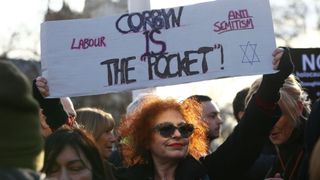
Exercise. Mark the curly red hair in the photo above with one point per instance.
(136, 129)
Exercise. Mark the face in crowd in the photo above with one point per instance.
(71, 165)
(284, 127)
(100, 124)
(211, 115)
(294, 105)
(105, 143)
(170, 136)
(165, 129)
(72, 154)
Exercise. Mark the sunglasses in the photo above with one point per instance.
(166, 130)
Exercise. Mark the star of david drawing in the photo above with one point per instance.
(249, 53)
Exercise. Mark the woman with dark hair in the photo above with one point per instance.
(73, 154)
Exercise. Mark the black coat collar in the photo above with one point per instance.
(188, 169)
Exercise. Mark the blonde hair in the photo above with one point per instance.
(292, 96)
(315, 162)
(95, 121)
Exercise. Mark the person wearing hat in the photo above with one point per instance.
(21, 147)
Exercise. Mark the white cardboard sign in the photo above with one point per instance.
(157, 47)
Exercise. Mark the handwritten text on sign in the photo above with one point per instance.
(157, 47)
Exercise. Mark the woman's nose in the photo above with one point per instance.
(176, 133)
(64, 175)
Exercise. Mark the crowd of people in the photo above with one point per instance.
(277, 136)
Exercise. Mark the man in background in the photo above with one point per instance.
(210, 114)
(238, 103)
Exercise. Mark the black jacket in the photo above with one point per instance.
(291, 153)
(234, 157)
(312, 133)
(262, 165)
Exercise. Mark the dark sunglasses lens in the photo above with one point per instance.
(167, 130)
(186, 130)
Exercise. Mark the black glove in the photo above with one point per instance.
(52, 109)
(271, 83)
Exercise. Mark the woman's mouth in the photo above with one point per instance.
(175, 145)
(274, 135)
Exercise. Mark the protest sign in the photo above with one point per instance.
(307, 68)
(157, 47)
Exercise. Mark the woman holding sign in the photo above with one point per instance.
(165, 139)
(284, 153)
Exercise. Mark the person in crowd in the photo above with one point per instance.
(54, 112)
(313, 125)
(287, 135)
(73, 154)
(67, 105)
(21, 147)
(166, 139)
(312, 134)
(100, 124)
(210, 115)
(315, 162)
(238, 103)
